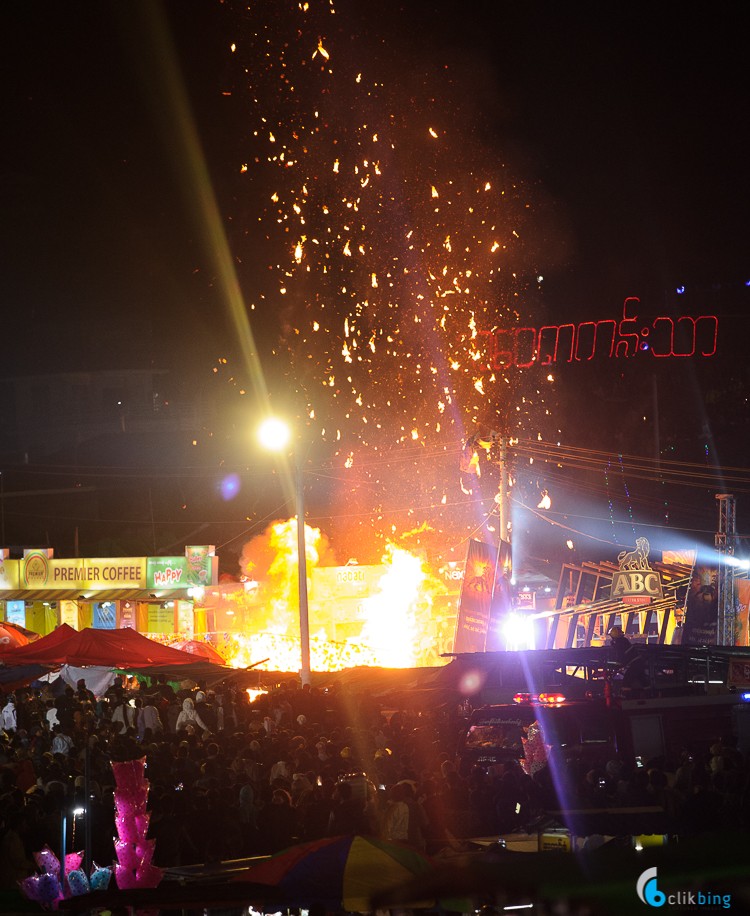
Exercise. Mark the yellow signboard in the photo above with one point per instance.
(334, 583)
(160, 618)
(555, 842)
(8, 574)
(38, 571)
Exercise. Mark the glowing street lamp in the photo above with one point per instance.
(275, 435)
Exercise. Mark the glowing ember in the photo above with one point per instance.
(390, 242)
(545, 502)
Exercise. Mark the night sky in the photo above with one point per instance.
(619, 133)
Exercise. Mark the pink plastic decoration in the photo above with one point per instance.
(126, 807)
(145, 850)
(73, 861)
(136, 794)
(129, 773)
(134, 851)
(127, 829)
(149, 876)
(127, 854)
(141, 823)
(125, 878)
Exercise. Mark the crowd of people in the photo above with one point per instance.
(230, 778)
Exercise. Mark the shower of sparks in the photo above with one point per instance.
(389, 243)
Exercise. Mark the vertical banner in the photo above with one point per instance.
(502, 600)
(15, 612)
(200, 621)
(743, 602)
(105, 615)
(126, 615)
(701, 608)
(185, 618)
(69, 614)
(85, 615)
(475, 602)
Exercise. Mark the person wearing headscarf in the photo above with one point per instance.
(189, 716)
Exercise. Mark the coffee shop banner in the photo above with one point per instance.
(39, 571)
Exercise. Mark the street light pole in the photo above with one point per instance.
(274, 435)
(304, 618)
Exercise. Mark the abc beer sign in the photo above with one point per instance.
(635, 582)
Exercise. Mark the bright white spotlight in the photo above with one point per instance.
(518, 631)
(274, 434)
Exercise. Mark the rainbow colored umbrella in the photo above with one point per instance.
(11, 636)
(338, 872)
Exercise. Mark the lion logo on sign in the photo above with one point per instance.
(635, 559)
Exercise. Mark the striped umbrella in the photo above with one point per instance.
(338, 872)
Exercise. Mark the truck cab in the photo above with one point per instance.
(594, 731)
(585, 730)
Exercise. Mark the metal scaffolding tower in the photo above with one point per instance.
(724, 541)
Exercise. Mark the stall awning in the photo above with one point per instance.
(122, 594)
(123, 648)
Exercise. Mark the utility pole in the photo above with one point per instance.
(657, 435)
(504, 513)
(724, 542)
(304, 623)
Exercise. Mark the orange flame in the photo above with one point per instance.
(395, 625)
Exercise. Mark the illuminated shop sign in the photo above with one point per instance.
(663, 338)
(15, 612)
(179, 572)
(525, 600)
(38, 571)
(635, 582)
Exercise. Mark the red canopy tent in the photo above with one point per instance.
(201, 649)
(124, 648)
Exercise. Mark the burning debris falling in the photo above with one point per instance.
(381, 243)
(389, 241)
